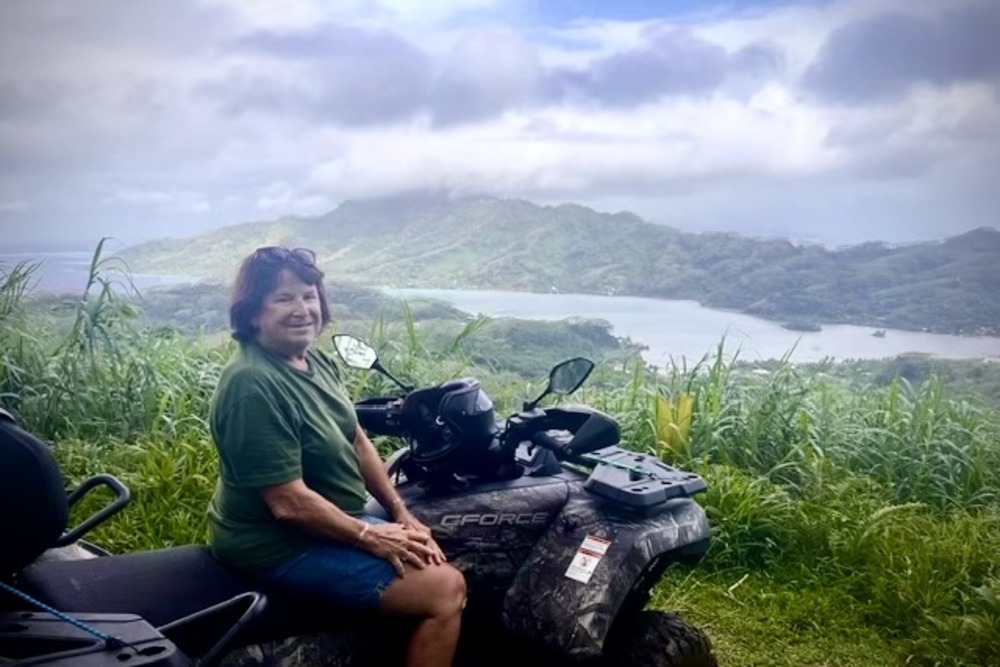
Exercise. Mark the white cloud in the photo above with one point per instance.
(583, 152)
(14, 205)
(277, 16)
(800, 31)
(186, 115)
(139, 197)
(282, 199)
(434, 11)
(291, 15)
(180, 202)
(584, 40)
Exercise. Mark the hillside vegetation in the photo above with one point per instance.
(947, 286)
(524, 347)
(852, 526)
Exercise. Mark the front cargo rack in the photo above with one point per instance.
(638, 480)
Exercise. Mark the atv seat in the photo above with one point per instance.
(160, 586)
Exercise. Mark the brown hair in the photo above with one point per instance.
(258, 277)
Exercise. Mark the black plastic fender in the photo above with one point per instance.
(573, 618)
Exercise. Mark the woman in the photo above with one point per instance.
(295, 466)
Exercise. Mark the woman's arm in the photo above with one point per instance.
(297, 504)
(379, 485)
(375, 476)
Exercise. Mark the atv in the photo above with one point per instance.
(560, 533)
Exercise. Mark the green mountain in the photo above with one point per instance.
(489, 243)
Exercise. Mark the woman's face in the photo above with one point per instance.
(290, 317)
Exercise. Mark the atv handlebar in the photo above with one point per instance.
(550, 442)
(379, 415)
(590, 428)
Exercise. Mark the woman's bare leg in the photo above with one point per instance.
(435, 594)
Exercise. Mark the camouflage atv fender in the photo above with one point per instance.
(573, 617)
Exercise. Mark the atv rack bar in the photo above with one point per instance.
(638, 480)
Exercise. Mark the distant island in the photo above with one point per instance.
(949, 286)
(802, 326)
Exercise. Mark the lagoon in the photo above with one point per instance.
(685, 329)
(67, 271)
(678, 329)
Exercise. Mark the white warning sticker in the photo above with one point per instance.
(582, 567)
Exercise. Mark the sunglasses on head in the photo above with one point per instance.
(280, 254)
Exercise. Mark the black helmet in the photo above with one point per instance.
(449, 422)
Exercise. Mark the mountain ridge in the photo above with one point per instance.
(475, 242)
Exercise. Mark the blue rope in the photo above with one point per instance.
(110, 641)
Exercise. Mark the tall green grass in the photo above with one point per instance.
(107, 376)
(887, 495)
(855, 517)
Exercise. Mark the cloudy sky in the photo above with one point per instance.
(833, 121)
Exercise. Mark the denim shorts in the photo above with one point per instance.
(337, 573)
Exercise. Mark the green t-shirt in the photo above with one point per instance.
(273, 424)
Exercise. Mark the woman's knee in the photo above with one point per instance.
(460, 588)
(437, 591)
(450, 590)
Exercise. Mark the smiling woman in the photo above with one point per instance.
(295, 467)
(289, 318)
(279, 300)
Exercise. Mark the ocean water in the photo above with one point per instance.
(68, 271)
(685, 329)
(669, 329)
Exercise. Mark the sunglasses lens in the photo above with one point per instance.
(277, 253)
(305, 255)
(271, 252)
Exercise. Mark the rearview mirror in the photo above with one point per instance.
(355, 352)
(569, 375)
(564, 378)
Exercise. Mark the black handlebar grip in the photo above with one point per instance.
(546, 441)
(374, 418)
